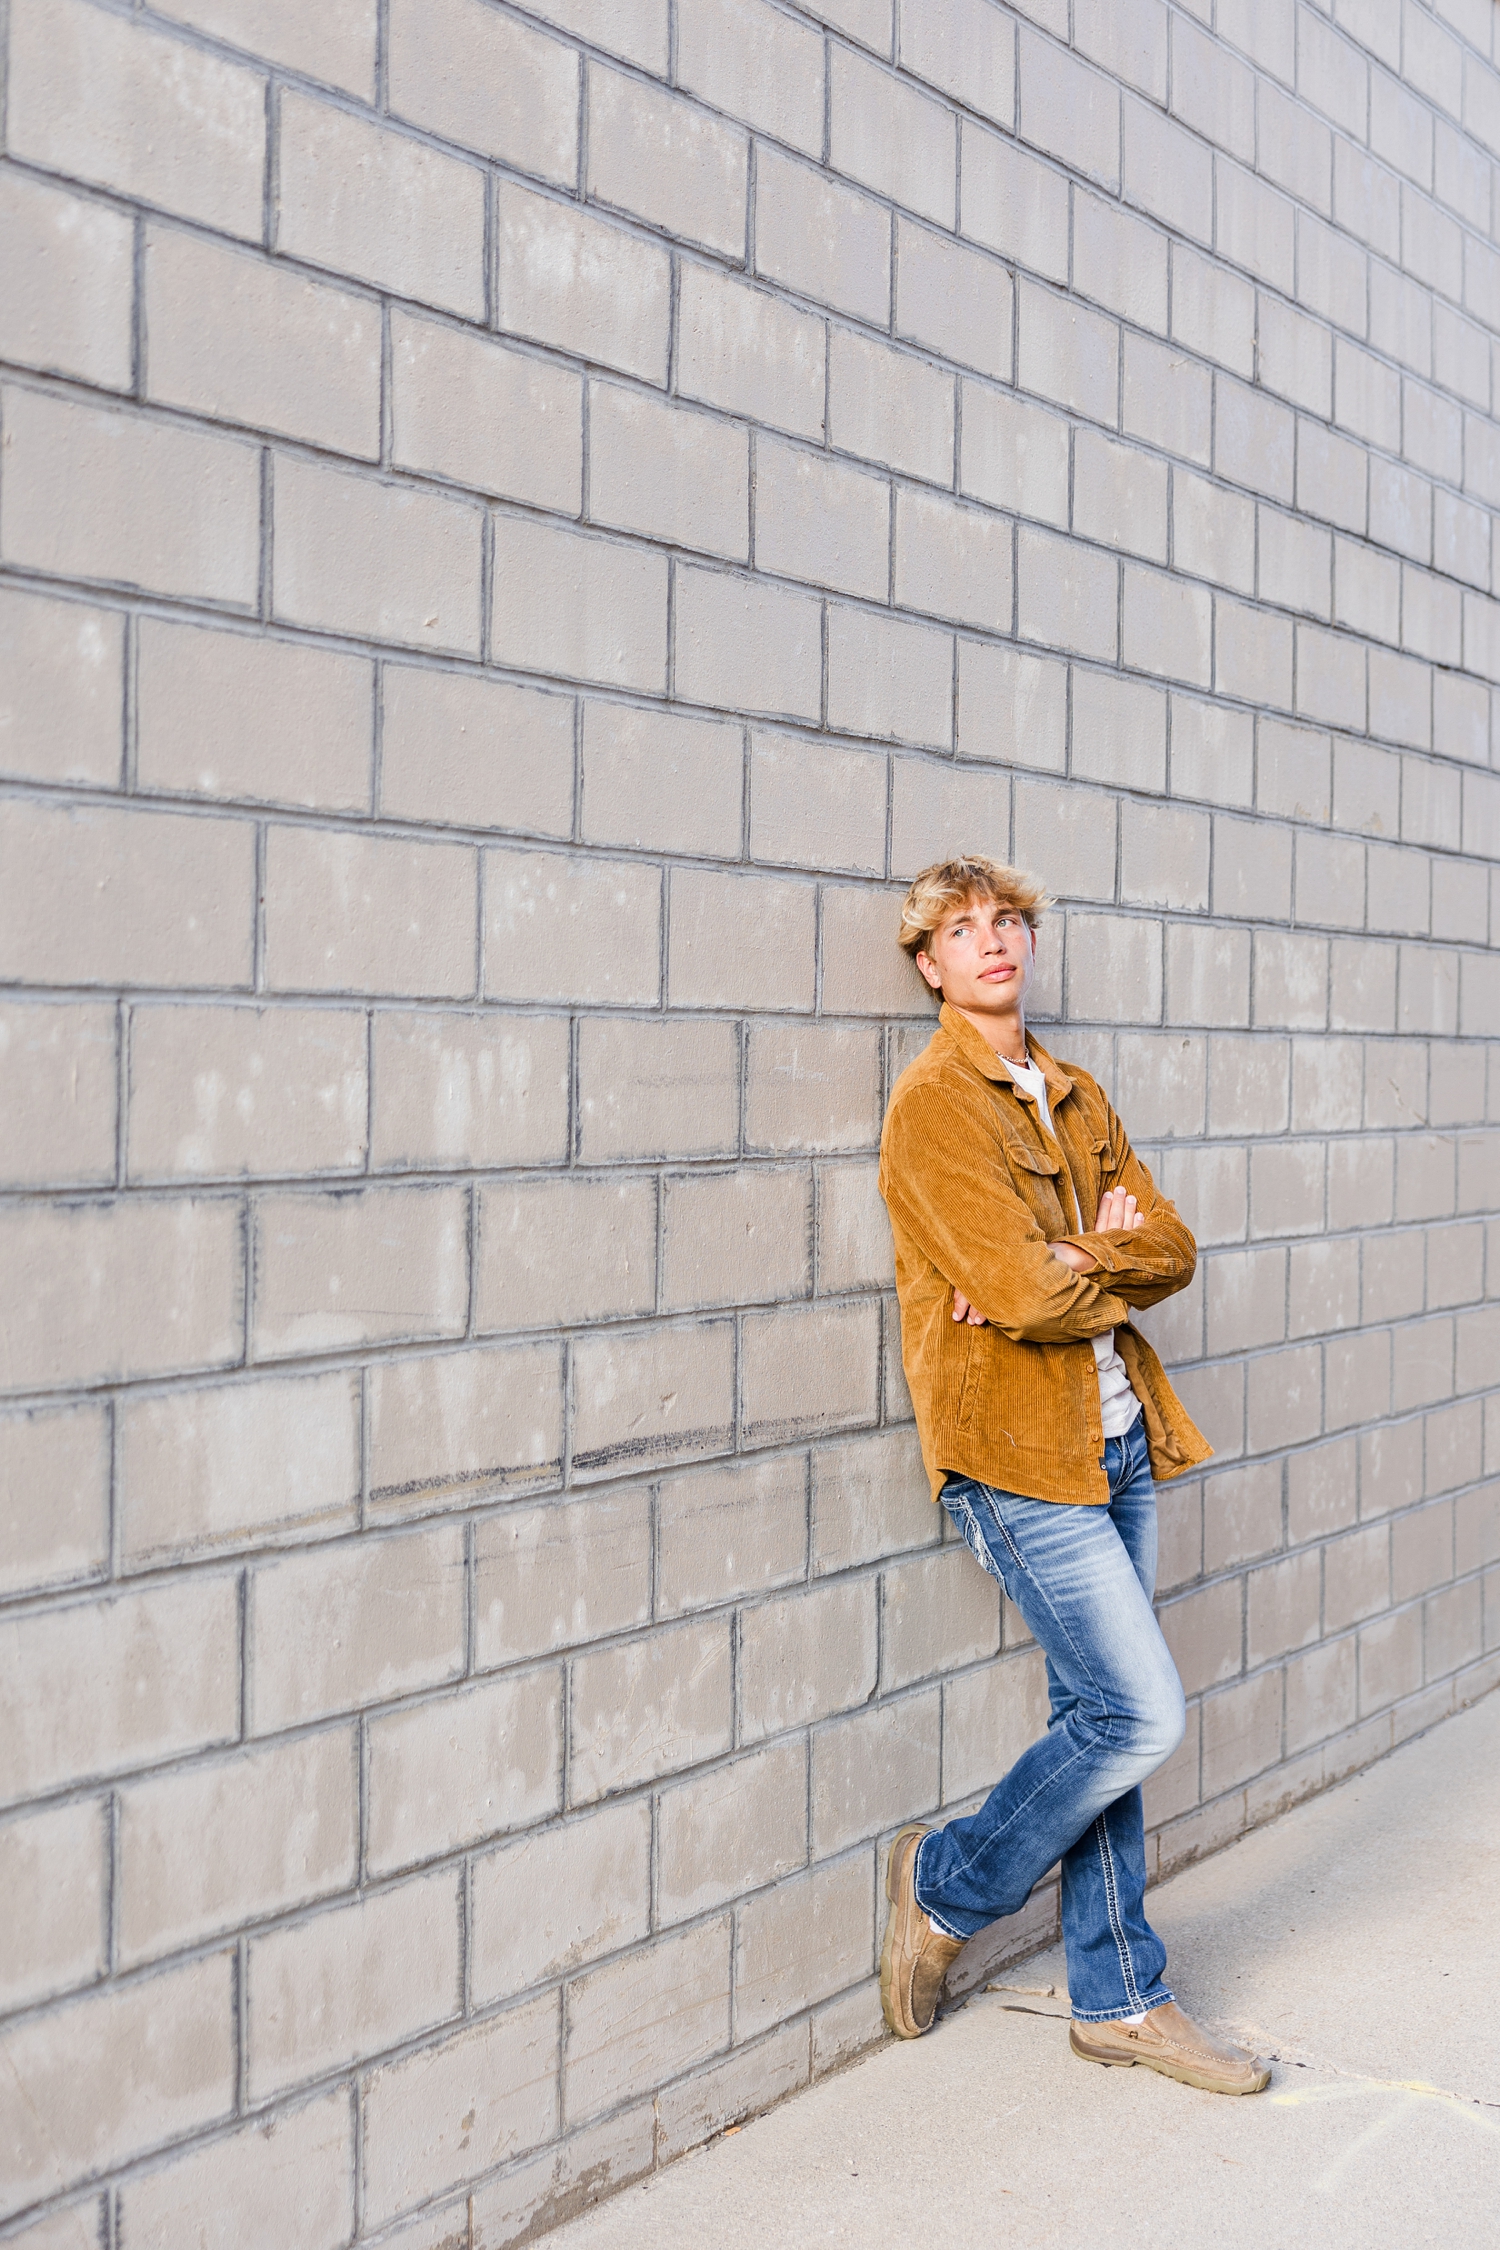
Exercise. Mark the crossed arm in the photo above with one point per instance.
(1116, 1210)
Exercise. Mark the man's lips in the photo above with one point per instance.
(1005, 970)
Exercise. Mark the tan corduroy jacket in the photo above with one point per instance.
(976, 1191)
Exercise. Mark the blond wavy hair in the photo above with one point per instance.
(956, 882)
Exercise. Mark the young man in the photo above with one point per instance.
(1043, 1417)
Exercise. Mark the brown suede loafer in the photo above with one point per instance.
(1172, 2043)
(914, 1959)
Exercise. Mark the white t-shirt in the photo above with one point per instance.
(1118, 1403)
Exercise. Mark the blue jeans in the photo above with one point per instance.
(1082, 1578)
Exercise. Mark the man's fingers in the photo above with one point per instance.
(963, 1310)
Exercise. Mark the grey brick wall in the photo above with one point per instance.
(519, 529)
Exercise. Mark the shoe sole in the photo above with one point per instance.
(887, 1978)
(1182, 2072)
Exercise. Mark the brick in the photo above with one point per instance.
(557, 1898)
(1212, 91)
(732, 1831)
(989, 1717)
(873, 1770)
(649, 1708)
(1208, 975)
(951, 299)
(224, 715)
(242, 340)
(636, 29)
(1251, 653)
(888, 679)
(1071, 830)
(416, 578)
(355, 1624)
(818, 520)
(580, 283)
(648, 2017)
(233, 1464)
(468, 1090)
(820, 239)
(350, 913)
(1213, 311)
(1330, 881)
(222, 1092)
(366, 201)
(1015, 205)
(1255, 226)
(494, 420)
(1241, 1732)
(1012, 708)
(1242, 1517)
(1120, 262)
(1067, 354)
(663, 1395)
(934, 806)
(64, 1454)
(854, 1248)
(1066, 595)
(657, 1089)
(559, 2182)
(869, 1499)
(53, 1867)
(1015, 455)
(118, 498)
(209, 1849)
(445, 2115)
(543, 913)
(164, 1664)
(813, 1086)
(747, 351)
(579, 606)
(293, 2175)
(352, 1982)
(382, 1264)
(1167, 399)
(61, 691)
(806, 1656)
(1160, 1081)
(1166, 626)
(741, 1528)
(889, 137)
(131, 109)
(1291, 980)
(1212, 752)
(78, 2100)
(862, 975)
(84, 1270)
(551, 1577)
(1390, 1660)
(1254, 441)
(952, 562)
(1246, 1300)
(816, 805)
(337, 45)
(1119, 731)
(731, 2090)
(554, 1252)
(743, 646)
(65, 283)
(497, 86)
(743, 1238)
(60, 1121)
(1203, 1631)
(1069, 110)
(808, 1370)
(965, 50)
(668, 474)
(938, 1612)
(457, 1771)
(757, 64)
(708, 967)
(1213, 533)
(448, 1428)
(1324, 1287)
(802, 1941)
(666, 161)
(890, 406)
(476, 753)
(124, 897)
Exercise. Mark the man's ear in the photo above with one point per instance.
(929, 971)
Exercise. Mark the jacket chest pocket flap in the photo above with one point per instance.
(1039, 1179)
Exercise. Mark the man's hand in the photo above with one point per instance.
(1118, 1213)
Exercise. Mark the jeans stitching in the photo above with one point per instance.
(1112, 1901)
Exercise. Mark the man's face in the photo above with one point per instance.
(981, 957)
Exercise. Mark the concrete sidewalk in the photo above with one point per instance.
(1356, 1942)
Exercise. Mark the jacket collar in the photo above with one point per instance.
(981, 1056)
